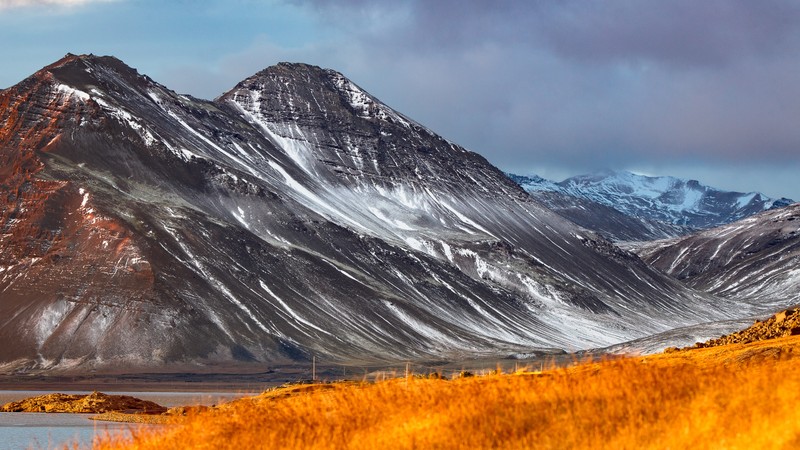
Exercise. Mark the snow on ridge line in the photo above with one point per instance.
(362, 101)
(745, 200)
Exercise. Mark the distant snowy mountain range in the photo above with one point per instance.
(660, 206)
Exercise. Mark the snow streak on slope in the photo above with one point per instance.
(754, 260)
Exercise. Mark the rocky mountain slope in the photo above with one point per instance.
(754, 260)
(295, 215)
(655, 207)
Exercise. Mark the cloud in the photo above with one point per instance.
(12, 4)
(681, 32)
(578, 85)
(533, 85)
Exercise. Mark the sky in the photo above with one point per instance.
(706, 90)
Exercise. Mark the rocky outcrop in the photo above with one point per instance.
(784, 323)
(96, 402)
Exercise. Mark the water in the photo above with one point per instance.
(22, 431)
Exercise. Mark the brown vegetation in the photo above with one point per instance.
(736, 396)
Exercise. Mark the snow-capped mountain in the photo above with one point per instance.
(663, 206)
(605, 220)
(295, 215)
(755, 259)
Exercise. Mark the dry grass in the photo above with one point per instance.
(742, 396)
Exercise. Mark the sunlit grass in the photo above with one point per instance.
(739, 397)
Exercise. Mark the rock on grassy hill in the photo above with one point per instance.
(784, 323)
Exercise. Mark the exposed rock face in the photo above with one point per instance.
(96, 402)
(294, 216)
(656, 207)
(753, 260)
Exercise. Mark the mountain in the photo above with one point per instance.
(294, 216)
(754, 260)
(660, 207)
(604, 220)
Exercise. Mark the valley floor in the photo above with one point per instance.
(731, 396)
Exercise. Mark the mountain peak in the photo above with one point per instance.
(308, 93)
(71, 57)
(83, 61)
(86, 71)
(293, 72)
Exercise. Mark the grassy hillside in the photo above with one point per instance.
(733, 396)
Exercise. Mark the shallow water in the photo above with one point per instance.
(20, 431)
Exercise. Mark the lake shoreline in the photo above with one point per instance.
(249, 379)
(138, 383)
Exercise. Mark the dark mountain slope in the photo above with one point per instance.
(294, 216)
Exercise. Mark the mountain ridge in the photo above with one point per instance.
(753, 259)
(666, 206)
(291, 217)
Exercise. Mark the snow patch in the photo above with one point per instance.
(305, 192)
(399, 224)
(72, 92)
(745, 199)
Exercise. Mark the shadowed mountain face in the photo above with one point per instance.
(296, 215)
(627, 207)
(753, 260)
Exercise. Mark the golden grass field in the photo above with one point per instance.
(731, 397)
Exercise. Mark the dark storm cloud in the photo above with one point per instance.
(681, 32)
(587, 84)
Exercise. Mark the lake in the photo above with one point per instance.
(21, 431)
